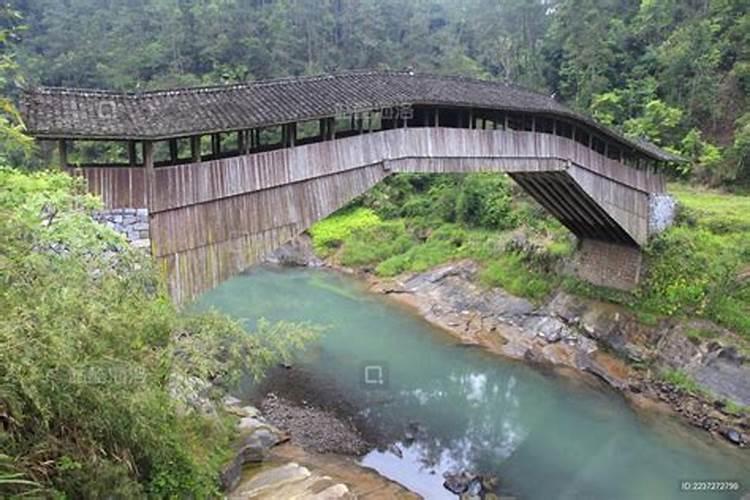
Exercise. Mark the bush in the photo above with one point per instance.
(689, 271)
(88, 344)
(330, 233)
(513, 275)
(485, 201)
(443, 244)
(369, 245)
(477, 200)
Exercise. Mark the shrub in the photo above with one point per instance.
(88, 344)
(444, 244)
(510, 273)
(484, 201)
(330, 233)
(687, 269)
(372, 244)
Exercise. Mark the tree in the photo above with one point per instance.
(14, 144)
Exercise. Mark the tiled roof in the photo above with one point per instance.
(97, 114)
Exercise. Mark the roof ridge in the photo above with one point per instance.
(208, 88)
(82, 91)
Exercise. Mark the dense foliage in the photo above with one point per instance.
(91, 353)
(676, 72)
(698, 268)
(411, 223)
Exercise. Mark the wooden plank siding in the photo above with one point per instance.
(191, 183)
(211, 219)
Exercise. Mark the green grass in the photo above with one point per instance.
(701, 267)
(698, 268)
(681, 380)
(512, 274)
(736, 409)
(371, 244)
(330, 233)
(398, 246)
(700, 334)
(717, 211)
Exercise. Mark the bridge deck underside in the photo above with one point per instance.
(212, 219)
(562, 197)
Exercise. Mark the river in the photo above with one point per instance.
(544, 436)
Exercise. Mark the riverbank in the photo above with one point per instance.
(650, 365)
(590, 337)
(443, 409)
(277, 457)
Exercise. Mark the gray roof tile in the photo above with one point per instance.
(98, 114)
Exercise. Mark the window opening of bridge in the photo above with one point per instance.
(224, 144)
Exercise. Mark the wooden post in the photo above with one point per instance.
(505, 122)
(322, 128)
(533, 123)
(241, 141)
(292, 134)
(437, 117)
(132, 160)
(150, 184)
(332, 128)
(173, 150)
(195, 148)
(148, 164)
(216, 144)
(63, 150)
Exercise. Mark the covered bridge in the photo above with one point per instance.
(227, 173)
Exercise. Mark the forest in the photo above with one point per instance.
(673, 72)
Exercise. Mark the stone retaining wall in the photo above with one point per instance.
(133, 223)
(662, 212)
(607, 264)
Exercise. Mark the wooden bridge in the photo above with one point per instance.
(229, 173)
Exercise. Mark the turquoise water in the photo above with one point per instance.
(543, 436)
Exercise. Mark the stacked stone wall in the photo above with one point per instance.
(133, 223)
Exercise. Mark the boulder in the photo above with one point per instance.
(256, 438)
(725, 373)
(458, 483)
